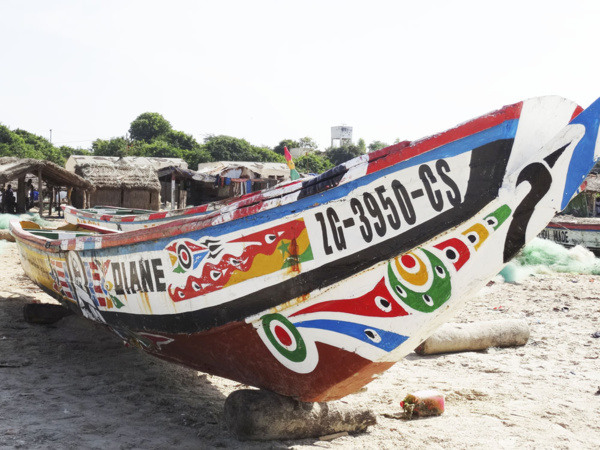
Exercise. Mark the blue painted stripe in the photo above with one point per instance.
(389, 340)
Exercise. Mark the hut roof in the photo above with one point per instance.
(12, 168)
(261, 169)
(184, 174)
(157, 163)
(109, 175)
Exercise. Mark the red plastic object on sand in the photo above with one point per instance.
(423, 403)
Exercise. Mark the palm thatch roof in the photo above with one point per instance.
(119, 175)
(158, 163)
(12, 168)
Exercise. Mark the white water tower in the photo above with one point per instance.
(341, 134)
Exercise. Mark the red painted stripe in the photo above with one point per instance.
(574, 226)
(402, 152)
(576, 112)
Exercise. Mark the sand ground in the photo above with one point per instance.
(74, 385)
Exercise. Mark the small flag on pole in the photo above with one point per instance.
(294, 175)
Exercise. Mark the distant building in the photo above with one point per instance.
(341, 134)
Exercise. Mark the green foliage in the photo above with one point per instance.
(339, 155)
(313, 163)
(227, 148)
(377, 145)
(158, 149)
(23, 144)
(196, 156)
(67, 151)
(180, 140)
(307, 142)
(112, 147)
(264, 154)
(149, 126)
(362, 145)
(289, 143)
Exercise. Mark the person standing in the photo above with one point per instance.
(9, 200)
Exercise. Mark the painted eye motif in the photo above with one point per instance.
(195, 286)
(235, 262)
(383, 304)
(401, 291)
(492, 221)
(473, 237)
(440, 271)
(373, 335)
(428, 300)
(451, 254)
(270, 238)
(215, 275)
(184, 256)
(181, 294)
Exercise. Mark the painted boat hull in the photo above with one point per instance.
(313, 291)
(123, 219)
(571, 234)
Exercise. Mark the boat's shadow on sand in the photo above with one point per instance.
(76, 382)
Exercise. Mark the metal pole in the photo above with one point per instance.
(173, 190)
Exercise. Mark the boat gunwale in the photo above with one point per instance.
(245, 207)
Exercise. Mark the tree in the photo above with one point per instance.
(307, 142)
(67, 151)
(362, 146)
(113, 147)
(227, 148)
(149, 126)
(180, 139)
(196, 156)
(265, 154)
(158, 149)
(289, 143)
(313, 163)
(376, 145)
(339, 155)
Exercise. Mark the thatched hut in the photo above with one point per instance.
(53, 176)
(120, 184)
(224, 179)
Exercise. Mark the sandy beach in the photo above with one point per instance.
(75, 385)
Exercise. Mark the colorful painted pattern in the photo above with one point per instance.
(416, 282)
(340, 275)
(211, 264)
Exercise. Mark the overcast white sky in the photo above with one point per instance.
(271, 70)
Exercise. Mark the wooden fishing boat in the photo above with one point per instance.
(572, 231)
(125, 219)
(312, 291)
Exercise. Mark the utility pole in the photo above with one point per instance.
(51, 135)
